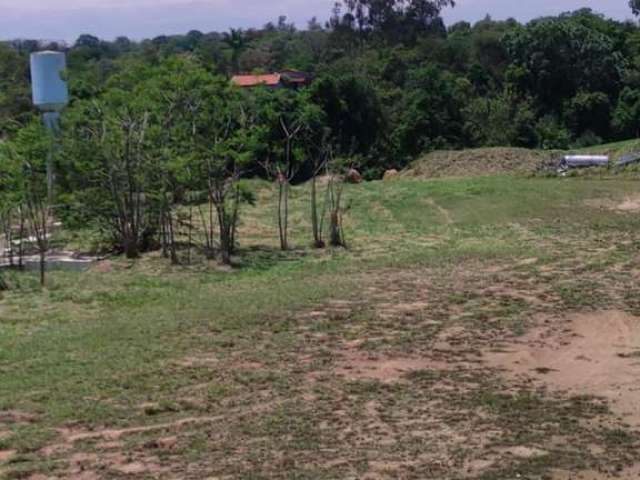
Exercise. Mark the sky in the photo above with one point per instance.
(67, 19)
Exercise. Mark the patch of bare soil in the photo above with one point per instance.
(525, 452)
(103, 266)
(111, 457)
(96, 466)
(630, 204)
(195, 361)
(392, 310)
(587, 354)
(356, 365)
(632, 473)
(6, 455)
(10, 417)
(70, 435)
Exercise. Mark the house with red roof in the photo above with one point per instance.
(272, 80)
(285, 79)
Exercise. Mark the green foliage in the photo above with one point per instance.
(353, 112)
(23, 165)
(562, 56)
(15, 100)
(131, 157)
(589, 111)
(551, 134)
(390, 82)
(431, 115)
(393, 20)
(626, 117)
(502, 120)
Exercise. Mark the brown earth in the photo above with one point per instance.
(625, 474)
(630, 204)
(586, 354)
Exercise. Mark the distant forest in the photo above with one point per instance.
(391, 79)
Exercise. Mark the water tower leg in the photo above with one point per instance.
(51, 122)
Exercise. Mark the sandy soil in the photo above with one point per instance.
(590, 353)
(630, 204)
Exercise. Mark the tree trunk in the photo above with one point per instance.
(172, 239)
(190, 234)
(225, 233)
(21, 240)
(234, 219)
(286, 215)
(7, 221)
(281, 225)
(43, 266)
(210, 233)
(130, 246)
(315, 224)
(336, 235)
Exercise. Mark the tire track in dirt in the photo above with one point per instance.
(443, 212)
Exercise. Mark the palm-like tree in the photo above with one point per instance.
(237, 43)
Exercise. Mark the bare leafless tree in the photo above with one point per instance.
(39, 217)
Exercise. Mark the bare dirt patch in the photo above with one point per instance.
(632, 473)
(587, 354)
(104, 266)
(86, 466)
(9, 417)
(71, 435)
(357, 365)
(392, 310)
(6, 455)
(630, 204)
(196, 361)
(526, 452)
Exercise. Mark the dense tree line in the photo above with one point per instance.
(394, 81)
(156, 124)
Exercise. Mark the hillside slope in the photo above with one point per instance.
(502, 160)
(479, 161)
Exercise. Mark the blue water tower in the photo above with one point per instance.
(50, 92)
(50, 95)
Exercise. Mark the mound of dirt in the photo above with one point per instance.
(478, 162)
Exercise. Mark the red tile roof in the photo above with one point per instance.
(272, 80)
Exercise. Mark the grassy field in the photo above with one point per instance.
(380, 361)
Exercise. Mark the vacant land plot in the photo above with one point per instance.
(481, 328)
